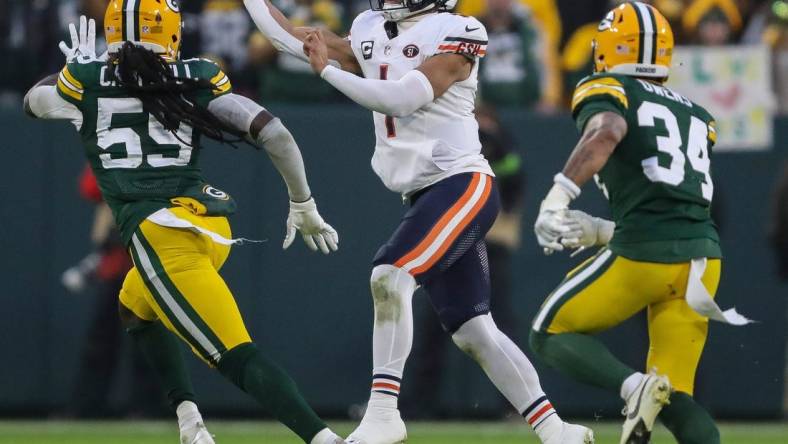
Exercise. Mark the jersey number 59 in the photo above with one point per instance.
(109, 136)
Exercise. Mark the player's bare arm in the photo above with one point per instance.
(444, 70)
(557, 226)
(603, 132)
(288, 38)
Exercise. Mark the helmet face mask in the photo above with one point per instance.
(634, 39)
(152, 24)
(396, 10)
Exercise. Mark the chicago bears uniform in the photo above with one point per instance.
(441, 139)
(420, 67)
(434, 158)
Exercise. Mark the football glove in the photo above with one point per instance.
(585, 230)
(316, 232)
(83, 43)
(551, 224)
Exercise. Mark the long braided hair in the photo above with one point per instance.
(148, 77)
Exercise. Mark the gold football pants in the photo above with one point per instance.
(176, 279)
(608, 289)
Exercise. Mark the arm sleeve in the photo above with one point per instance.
(45, 102)
(598, 94)
(239, 112)
(397, 98)
(279, 37)
(468, 38)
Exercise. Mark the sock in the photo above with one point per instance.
(392, 335)
(382, 400)
(326, 436)
(163, 352)
(581, 357)
(542, 417)
(503, 362)
(188, 414)
(631, 384)
(247, 368)
(688, 421)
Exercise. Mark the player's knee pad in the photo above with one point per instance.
(477, 335)
(392, 290)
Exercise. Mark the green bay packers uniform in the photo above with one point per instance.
(140, 115)
(143, 168)
(661, 253)
(658, 182)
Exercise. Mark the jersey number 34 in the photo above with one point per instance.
(697, 148)
(109, 136)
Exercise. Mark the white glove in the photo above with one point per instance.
(550, 227)
(551, 224)
(586, 230)
(316, 232)
(83, 44)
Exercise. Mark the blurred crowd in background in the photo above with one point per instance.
(539, 49)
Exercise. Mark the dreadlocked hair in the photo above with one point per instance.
(148, 77)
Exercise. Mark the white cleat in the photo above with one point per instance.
(196, 434)
(573, 434)
(643, 406)
(379, 426)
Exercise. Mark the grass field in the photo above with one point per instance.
(133, 432)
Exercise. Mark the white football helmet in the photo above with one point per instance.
(396, 10)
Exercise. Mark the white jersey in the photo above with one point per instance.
(442, 138)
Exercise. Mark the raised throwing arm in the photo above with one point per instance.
(290, 39)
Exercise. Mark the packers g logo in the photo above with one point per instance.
(215, 192)
(173, 4)
(607, 22)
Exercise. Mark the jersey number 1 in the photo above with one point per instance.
(697, 150)
(109, 136)
(390, 129)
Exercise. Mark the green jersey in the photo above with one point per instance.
(140, 166)
(658, 179)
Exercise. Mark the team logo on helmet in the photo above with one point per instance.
(607, 22)
(411, 51)
(173, 4)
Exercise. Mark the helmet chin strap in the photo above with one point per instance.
(401, 15)
(408, 22)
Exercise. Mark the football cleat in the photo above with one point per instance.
(196, 434)
(573, 434)
(643, 406)
(379, 426)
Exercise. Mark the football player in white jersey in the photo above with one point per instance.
(419, 64)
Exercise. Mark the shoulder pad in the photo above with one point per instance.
(464, 35)
(600, 87)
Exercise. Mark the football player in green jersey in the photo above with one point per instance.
(650, 150)
(141, 115)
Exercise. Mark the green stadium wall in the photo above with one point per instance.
(314, 313)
